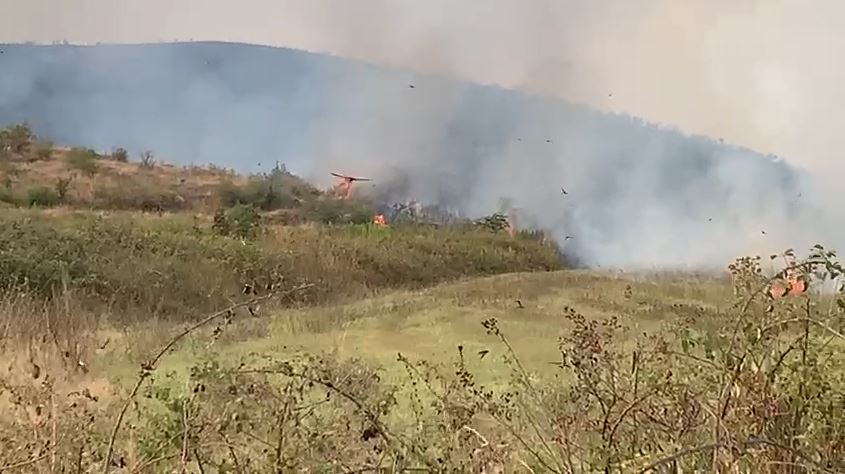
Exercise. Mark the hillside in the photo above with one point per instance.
(151, 239)
(81, 178)
(640, 193)
(36, 173)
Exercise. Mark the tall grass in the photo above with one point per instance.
(173, 267)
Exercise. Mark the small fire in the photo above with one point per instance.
(378, 220)
(511, 225)
(795, 285)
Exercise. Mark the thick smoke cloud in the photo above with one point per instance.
(762, 73)
(639, 195)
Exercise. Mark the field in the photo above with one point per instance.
(207, 334)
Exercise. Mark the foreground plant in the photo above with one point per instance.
(755, 387)
(761, 388)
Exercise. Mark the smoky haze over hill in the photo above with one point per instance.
(639, 195)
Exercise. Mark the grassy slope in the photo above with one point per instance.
(429, 324)
(107, 184)
(176, 267)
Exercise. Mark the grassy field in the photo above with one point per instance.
(430, 324)
(462, 376)
(211, 323)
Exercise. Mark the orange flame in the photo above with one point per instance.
(511, 226)
(795, 285)
(378, 220)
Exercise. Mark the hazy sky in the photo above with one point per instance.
(762, 73)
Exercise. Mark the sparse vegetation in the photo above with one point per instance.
(121, 155)
(62, 186)
(83, 159)
(43, 150)
(132, 194)
(148, 159)
(17, 138)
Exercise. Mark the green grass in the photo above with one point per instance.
(174, 267)
(430, 324)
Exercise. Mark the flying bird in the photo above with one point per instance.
(482, 353)
(411, 86)
(519, 304)
(563, 190)
(568, 237)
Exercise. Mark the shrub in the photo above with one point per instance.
(6, 196)
(83, 159)
(62, 187)
(43, 150)
(339, 211)
(240, 221)
(120, 155)
(17, 138)
(42, 196)
(148, 160)
(278, 190)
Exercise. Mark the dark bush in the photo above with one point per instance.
(240, 221)
(120, 155)
(42, 196)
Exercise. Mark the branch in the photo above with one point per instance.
(745, 444)
(147, 368)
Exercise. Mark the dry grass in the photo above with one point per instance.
(117, 185)
(321, 388)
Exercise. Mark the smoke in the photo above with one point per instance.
(637, 195)
(760, 73)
